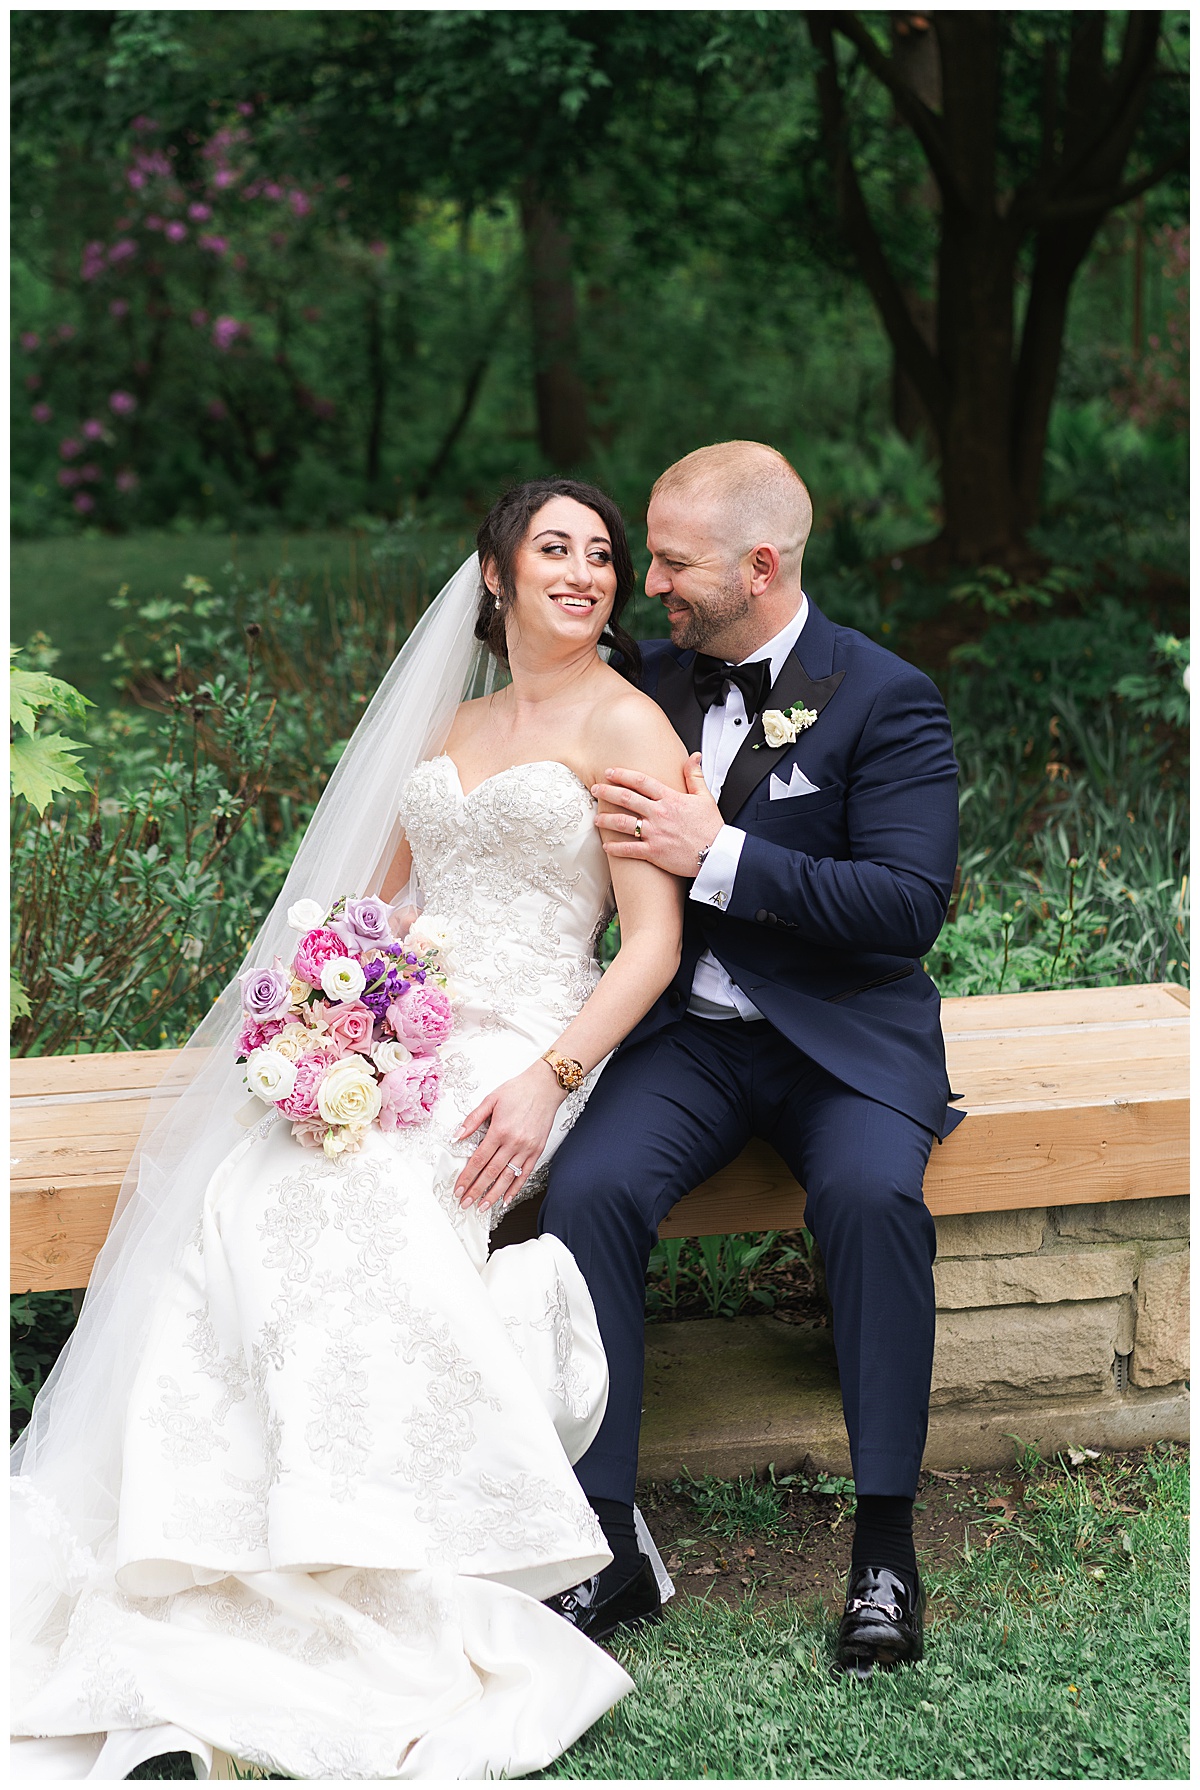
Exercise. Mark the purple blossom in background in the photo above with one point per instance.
(119, 308)
(142, 123)
(154, 222)
(272, 190)
(70, 447)
(127, 479)
(245, 108)
(300, 203)
(199, 318)
(67, 477)
(224, 177)
(93, 430)
(90, 473)
(121, 251)
(225, 333)
(175, 231)
(216, 410)
(83, 503)
(239, 264)
(30, 341)
(378, 247)
(65, 331)
(198, 213)
(91, 262)
(135, 177)
(42, 413)
(122, 403)
(216, 245)
(32, 381)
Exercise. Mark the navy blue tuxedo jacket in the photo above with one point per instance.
(839, 893)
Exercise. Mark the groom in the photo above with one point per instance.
(818, 836)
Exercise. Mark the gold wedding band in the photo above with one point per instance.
(637, 830)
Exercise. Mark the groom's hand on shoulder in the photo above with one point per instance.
(676, 826)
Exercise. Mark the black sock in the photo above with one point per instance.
(616, 1520)
(883, 1537)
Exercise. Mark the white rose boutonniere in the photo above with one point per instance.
(783, 726)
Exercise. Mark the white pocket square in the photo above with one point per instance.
(798, 785)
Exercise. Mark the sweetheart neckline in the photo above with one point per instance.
(525, 765)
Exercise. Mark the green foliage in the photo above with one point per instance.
(39, 1325)
(41, 765)
(733, 1507)
(725, 1274)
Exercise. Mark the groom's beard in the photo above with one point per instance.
(703, 622)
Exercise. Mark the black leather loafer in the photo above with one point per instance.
(632, 1604)
(883, 1624)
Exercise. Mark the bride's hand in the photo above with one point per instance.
(518, 1116)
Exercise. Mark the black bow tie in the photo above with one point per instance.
(713, 678)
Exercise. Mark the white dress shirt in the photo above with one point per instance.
(714, 994)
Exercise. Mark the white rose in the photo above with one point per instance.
(391, 1054)
(349, 1095)
(298, 992)
(778, 729)
(306, 914)
(429, 932)
(292, 1042)
(342, 978)
(270, 1075)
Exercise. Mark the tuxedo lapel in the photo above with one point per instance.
(676, 697)
(755, 758)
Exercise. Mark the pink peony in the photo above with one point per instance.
(310, 1132)
(409, 1093)
(314, 952)
(350, 1025)
(256, 1033)
(301, 1103)
(421, 1018)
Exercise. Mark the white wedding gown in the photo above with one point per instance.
(346, 1475)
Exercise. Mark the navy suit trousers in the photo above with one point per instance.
(672, 1109)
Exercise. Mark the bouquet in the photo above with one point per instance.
(349, 1034)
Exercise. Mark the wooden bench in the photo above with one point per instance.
(1071, 1097)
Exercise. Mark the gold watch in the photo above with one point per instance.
(568, 1073)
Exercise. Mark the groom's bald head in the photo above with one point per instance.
(748, 493)
(726, 528)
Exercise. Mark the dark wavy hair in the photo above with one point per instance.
(500, 535)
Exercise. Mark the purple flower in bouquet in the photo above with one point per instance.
(301, 1103)
(421, 1018)
(266, 994)
(409, 1093)
(364, 923)
(391, 985)
(314, 952)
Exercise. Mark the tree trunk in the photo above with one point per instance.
(559, 392)
(918, 65)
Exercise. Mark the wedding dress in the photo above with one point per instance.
(345, 1480)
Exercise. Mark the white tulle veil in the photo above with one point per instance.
(67, 1463)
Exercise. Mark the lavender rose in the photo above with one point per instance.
(421, 1018)
(266, 994)
(364, 924)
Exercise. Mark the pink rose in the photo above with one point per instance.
(314, 952)
(256, 1033)
(351, 1025)
(421, 1018)
(310, 1132)
(409, 1093)
(301, 1103)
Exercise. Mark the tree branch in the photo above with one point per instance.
(1141, 40)
(912, 351)
(1115, 197)
(920, 118)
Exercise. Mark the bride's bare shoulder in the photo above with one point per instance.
(630, 729)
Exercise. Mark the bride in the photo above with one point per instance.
(294, 1491)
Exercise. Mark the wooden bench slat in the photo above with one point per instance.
(1071, 1096)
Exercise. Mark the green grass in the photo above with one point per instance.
(1059, 1652)
(63, 585)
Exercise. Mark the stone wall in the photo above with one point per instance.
(1071, 1318)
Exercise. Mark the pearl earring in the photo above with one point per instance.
(496, 605)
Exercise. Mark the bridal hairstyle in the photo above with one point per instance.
(500, 536)
(68, 1461)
